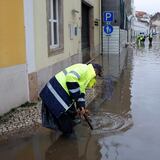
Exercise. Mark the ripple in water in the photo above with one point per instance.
(109, 123)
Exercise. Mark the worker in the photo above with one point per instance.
(142, 39)
(64, 95)
(138, 40)
(150, 38)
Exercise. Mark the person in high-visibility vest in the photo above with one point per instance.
(62, 92)
(138, 39)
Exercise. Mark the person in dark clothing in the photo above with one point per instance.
(64, 94)
(150, 38)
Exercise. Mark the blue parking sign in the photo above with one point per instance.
(108, 29)
(108, 16)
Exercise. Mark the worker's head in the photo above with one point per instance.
(98, 69)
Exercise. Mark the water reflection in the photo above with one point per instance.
(140, 100)
(111, 109)
(150, 45)
(112, 114)
(77, 147)
(63, 148)
(27, 147)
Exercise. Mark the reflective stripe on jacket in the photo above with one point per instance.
(80, 73)
(75, 79)
(55, 98)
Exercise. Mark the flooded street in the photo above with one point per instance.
(125, 117)
(136, 101)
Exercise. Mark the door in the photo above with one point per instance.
(85, 33)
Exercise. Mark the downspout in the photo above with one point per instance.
(100, 28)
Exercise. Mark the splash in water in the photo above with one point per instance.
(109, 123)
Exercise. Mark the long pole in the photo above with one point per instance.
(87, 120)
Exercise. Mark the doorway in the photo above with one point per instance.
(86, 32)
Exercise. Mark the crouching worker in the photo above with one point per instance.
(64, 95)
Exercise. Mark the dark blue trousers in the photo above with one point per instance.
(64, 123)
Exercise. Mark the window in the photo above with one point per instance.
(55, 25)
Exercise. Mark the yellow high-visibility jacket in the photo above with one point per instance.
(66, 87)
(83, 74)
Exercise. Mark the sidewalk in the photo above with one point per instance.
(20, 120)
(27, 119)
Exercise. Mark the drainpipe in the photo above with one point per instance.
(100, 27)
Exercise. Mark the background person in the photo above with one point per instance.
(150, 38)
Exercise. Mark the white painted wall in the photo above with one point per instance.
(13, 87)
(29, 35)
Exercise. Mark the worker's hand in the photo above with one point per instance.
(83, 111)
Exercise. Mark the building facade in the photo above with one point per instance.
(13, 68)
(40, 39)
(155, 24)
(114, 44)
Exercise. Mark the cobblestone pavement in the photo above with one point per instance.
(20, 120)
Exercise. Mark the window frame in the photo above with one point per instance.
(54, 21)
(53, 48)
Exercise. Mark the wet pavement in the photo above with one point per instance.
(125, 117)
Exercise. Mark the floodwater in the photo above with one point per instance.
(125, 117)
